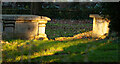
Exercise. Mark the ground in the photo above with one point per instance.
(75, 50)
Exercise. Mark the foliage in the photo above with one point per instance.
(72, 11)
(16, 8)
(111, 10)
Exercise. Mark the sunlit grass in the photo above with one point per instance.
(71, 50)
(60, 51)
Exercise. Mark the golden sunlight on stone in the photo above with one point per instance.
(100, 26)
(25, 26)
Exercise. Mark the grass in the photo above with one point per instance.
(81, 50)
(76, 50)
(65, 30)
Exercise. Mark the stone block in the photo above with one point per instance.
(100, 25)
(24, 26)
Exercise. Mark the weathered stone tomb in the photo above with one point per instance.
(100, 25)
(24, 26)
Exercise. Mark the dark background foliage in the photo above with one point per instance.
(111, 11)
(71, 10)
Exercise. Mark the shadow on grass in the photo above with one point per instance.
(93, 51)
(29, 47)
(83, 52)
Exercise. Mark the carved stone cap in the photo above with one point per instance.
(25, 18)
(95, 16)
(99, 17)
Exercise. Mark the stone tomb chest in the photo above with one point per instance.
(24, 26)
(100, 25)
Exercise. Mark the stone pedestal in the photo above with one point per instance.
(41, 28)
(24, 27)
(100, 25)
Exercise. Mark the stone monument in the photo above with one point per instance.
(100, 25)
(24, 27)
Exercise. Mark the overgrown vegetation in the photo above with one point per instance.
(110, 10)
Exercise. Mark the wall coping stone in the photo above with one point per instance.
(95, 16)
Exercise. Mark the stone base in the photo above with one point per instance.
(41, 37)
(23, 36)
(99, 36)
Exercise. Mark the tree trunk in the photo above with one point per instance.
(36, 8)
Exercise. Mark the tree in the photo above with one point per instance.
(36, 7)
(111, 11)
